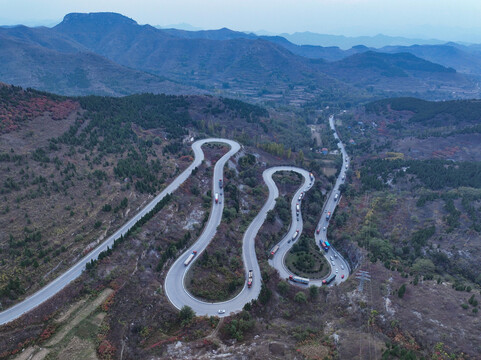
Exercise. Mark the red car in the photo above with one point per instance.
(342, 276)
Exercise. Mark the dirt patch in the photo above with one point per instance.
(359, 345)
(78, 349)
(82, 314)
(74, 307)
(329, 171)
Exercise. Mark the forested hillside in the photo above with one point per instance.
(74, 169)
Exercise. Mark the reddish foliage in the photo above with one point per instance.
(106, 350)
(48, 332)
(22, 106)
(108, 302)
(446, 152)
(171, 339)
(19, 348)
(187, 158)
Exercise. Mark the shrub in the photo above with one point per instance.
(313, 291)
(186, 314)
(282, 287)
(300, 297)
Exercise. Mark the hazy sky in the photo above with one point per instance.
(443, 19)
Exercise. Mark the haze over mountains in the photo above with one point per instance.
(110, 54)
(346, 42)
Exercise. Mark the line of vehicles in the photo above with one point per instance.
(216, 196)
(325, 245)
(319, 229)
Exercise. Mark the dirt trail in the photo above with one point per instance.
(214, 333)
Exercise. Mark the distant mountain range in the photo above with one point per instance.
(346, 42)
(110, 54)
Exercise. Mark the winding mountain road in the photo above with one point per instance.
(175, 280)
(337, 263)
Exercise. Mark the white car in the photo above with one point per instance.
(342, 267)
(337, 270)
(324, 228)
(221, 311)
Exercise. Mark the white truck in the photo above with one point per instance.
(190, 258)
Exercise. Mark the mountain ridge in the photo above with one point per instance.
(213, 60)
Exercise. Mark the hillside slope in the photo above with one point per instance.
(400, 72)
(62, 66)
(203, 60)
(455, 56)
